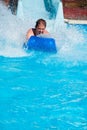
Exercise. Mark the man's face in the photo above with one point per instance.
(40, 29)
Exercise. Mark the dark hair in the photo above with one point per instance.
(39, 21)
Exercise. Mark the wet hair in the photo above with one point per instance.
(39, 21)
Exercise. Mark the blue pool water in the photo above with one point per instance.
(43, 91)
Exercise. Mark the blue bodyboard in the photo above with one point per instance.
(41, 44)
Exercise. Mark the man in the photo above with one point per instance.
(39, 29)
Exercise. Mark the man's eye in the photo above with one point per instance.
(41, 28)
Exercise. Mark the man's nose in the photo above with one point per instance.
(41, 31)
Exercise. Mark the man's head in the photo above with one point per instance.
(40, 26)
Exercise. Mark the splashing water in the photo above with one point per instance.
(40, 90)
(69, 40)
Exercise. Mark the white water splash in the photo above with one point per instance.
(13, 33)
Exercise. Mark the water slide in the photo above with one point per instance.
(59, 16)
(32, 10)
(50, 10)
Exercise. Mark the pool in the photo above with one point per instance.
(43, 91)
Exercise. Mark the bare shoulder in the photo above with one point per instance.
(30, 30)
(46, 32)
(29, 33)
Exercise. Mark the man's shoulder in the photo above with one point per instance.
(46, 32)
(30, 30)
